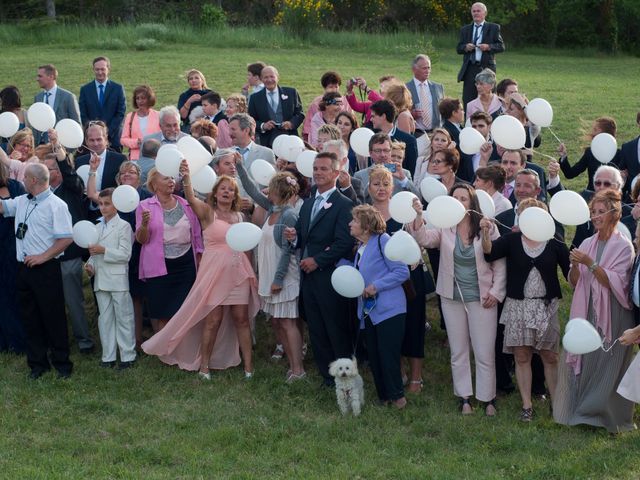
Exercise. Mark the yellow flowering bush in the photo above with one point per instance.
(302, 17)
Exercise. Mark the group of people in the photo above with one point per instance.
(169, 261)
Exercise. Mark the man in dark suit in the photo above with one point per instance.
(62, 101)
(479, 42)
(103, 99)
(425, 94)
(383, 116)
(95, 138)
(277, 110)
(322, 235)
(630, 159)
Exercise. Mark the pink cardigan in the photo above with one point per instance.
(363, 107)
(492, 277)
(131, 132)
(152, 262)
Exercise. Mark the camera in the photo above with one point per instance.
(391, 167)
(21, 230)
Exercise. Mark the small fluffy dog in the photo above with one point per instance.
(349, 385)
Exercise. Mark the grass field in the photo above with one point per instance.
(159, 422)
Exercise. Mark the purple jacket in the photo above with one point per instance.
(152, 262)
(387, 276)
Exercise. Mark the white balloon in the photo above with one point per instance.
(85, 233)
(262, 171)
(401, 207)
(487, 207)
(125, 198)
(347, 281)
(569, 208)
(304, 163)
(70, 133)
(204, 180)
(243, 236)
(431, 188)
(445, 212)
(293, 146)
(278, 145)
(581, 337)
(539, 112)
(471, 140)
(168, 160)
(359, 141)
(41, 116)
(536, 224)
(624, 231)
(402, 247)
(83, 173)
(9, 124)
(508, 132)
(604, 147)
(196, 155)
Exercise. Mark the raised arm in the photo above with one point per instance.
(249, 186)
(200, 208)
(94, 163)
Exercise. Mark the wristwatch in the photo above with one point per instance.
(593, 266)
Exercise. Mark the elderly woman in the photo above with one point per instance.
(380, 190)
(491, 179)
(171, 239)
(329, 108)
(599, 273)
(143, 121)
(12, 335)
(199, 336)
(236, 103)
(382, 307)
(440, 140)
(190, 98)
(470, 289)
(204, 128)
(588, 162)
(21, 154)
(487, 101)
(530, 313)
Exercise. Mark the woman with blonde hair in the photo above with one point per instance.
(190, 98)
(400, 96)
(21, 153)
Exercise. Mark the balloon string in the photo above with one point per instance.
(606, 350)
(554, 135)
(531, 150)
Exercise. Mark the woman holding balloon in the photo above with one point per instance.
(530, 313)
(199, 336)
(470, 289)
(382, 307)
(492, 179)
(440, 140)
(600, 270)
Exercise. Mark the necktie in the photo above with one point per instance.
(506, 191)
(46, 97)
(316, 207)
(101, 94)
(425, 104)
(242, 151)
(476, 39)
(272, 100)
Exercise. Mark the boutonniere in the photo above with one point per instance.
(327, 205)
(284, 97)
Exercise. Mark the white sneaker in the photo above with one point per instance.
(278, 352)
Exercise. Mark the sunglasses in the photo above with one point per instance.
(603, 183)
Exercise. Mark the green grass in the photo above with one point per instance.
(159, 422)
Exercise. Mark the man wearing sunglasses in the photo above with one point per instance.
(606, 177)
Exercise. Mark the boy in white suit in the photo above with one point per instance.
(109, 264)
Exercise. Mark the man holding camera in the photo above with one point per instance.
(277, 110)
(43, 232)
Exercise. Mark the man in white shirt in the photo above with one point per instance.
(426, 96)
(43, 232)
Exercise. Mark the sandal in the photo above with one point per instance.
(415, 386)
(465, 406)
(490, 408)
(526, 414)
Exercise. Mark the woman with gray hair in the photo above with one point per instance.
(487, 101)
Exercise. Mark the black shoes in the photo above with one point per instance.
(108, 364)
(125, 365)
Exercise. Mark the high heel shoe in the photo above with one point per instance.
(204, 375)
(248, 375)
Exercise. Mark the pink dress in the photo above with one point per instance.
(223, 275)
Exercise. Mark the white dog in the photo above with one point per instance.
(349, 385)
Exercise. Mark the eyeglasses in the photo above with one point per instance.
(603, 183)
(438, 161)
(381, 150)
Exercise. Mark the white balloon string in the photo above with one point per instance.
(554, 135)
(606, 350)
(531, 150)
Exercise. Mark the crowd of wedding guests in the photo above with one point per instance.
(169, 264)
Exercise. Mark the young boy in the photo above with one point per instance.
(109, 265)
(211, 107)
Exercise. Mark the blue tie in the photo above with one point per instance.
(46, 97)
(316, 207)
(101, 94)
(242, 151)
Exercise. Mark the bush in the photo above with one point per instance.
(303, 17)
(212, 16)
(146, 44)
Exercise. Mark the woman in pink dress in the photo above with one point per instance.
(200, 336)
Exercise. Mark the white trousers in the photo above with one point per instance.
(117, 326)
(475, 330)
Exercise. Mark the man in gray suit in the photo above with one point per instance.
(63, 102)
(169, 127)
(241, 130)
(425, 95)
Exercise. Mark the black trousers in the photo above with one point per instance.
(469, 90)
(41, 302)
(327, 316)
(384, 342)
